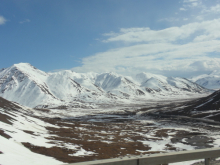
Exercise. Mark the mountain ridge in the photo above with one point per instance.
(210, 81)
(29, 86)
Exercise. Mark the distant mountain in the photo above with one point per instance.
(119, 85)
(210, 81)
(32, 87)
(167, 85)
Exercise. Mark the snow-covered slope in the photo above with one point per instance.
(159, 84)
(26, 85)
(119, 85)
(70, 86)
(16, 128)
(31, 87)
(210, 81)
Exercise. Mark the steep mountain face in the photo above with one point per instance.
(31, 87)
(64, 87)
(119, 85)
(70, 86)
(25, 84)
(210, 81)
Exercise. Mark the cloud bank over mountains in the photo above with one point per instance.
(189, 49)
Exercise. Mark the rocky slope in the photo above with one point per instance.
(206, 109)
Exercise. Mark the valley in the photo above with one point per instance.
(74, 135)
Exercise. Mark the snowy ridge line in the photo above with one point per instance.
(210, 81)
(32, 87)
(163, 158)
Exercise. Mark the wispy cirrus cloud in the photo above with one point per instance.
(25, 21)
(192, 3)
(213, 9)
(183, 9)
(172, 34)
(2, 20)
(201, 10)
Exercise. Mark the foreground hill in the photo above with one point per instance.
(32, 87)
(18, 128)
(206, 109)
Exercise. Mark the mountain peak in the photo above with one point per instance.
(28, 69)
(142, 77)
(112, 73)
(22, 65)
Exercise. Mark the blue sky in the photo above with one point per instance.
(173, 38)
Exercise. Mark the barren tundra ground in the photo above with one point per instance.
(73, 135)
(123, 137)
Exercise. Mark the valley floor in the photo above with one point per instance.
(70, 136)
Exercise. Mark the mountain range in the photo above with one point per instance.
(29, 86)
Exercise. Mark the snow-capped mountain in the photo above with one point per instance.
(210, 81)
(119, 85)
(29, 86)
(32, 87)
(167, 85)
(25, 84)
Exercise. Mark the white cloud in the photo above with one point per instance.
(161, 58)
(172, 34)
(148, 35)
(216, 8)
(182, 9)
(211, 30)
(199, 17)
(213, 9)
(25, 21)
(171, 19)
(208, 65)
(159, 51)
(2, 20)
(192, 3)
(184, 50)
(189, 1)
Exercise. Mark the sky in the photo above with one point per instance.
(172, 37)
